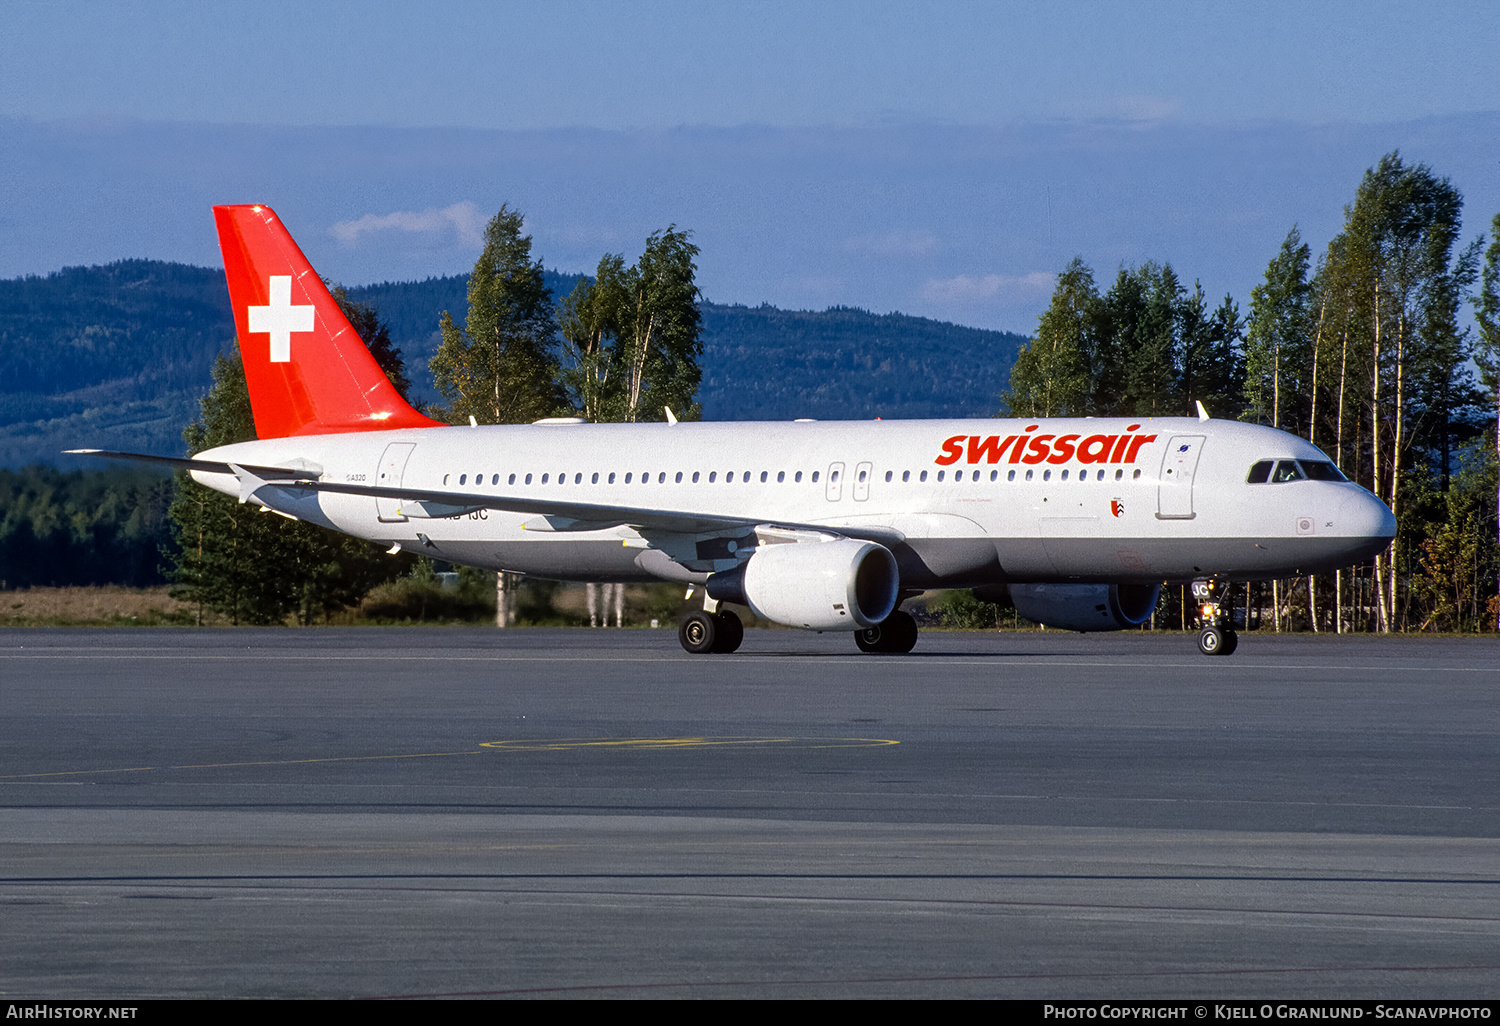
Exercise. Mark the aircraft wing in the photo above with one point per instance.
(554, 514)
(564, 515)
(558, 515)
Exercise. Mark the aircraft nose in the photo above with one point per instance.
(1363, 516)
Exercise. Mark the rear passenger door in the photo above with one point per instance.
(392, 470)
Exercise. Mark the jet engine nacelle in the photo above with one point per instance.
(1085, 607)
(840, 585)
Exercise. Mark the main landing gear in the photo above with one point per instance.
(703, 632)
(1216, 617)
(896, 633)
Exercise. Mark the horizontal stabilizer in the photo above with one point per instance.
(268, 474)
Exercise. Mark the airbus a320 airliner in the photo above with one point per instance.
(823, 526)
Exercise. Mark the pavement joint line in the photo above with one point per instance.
(683, 659)
(840, 981)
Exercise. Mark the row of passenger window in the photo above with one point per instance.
(630, 478)
(781, 476)
(1011, 475)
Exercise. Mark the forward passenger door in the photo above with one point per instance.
(1174, 493)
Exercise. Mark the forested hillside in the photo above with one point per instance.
(83, 527)
(765, 363)
(761, 362)
(115, 357)
(111, 356)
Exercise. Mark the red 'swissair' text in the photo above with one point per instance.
(1033, 449)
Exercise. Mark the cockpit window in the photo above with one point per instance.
(1317, 470)
(1287, 470)
(1282, 471)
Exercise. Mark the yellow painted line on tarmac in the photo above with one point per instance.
(69, 773)
(226, 765)
(518, 745)
(339, 758)
(638, 743)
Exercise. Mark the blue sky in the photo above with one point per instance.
(654, 65)
(941, 159)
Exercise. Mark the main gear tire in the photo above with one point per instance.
(896, 634)
(729, 632)
(698, 632)
(901, 632)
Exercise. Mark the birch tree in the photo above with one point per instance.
(1400, 274)
(633, 335)
(1277, 330)
(500, 368)
(1487, 355)
(590, 321)
(1049, 378)
(661, 340)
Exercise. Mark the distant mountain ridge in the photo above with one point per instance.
(116, 356)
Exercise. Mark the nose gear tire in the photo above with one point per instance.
(1217, 641)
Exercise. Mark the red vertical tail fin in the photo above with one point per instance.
(308, 371)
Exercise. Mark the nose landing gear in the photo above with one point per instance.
(1216, 618)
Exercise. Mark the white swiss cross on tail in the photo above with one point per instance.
(281, 318)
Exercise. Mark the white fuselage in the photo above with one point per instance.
(959, 503)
